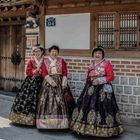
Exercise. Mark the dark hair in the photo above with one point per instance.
(98, 48)
(40, 47)
(54, 47)
(43, 50)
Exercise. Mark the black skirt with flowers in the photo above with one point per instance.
(23, 110)
(97, 113)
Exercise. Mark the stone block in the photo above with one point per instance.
(127, 90)
(124, 80)
(75, 77)
(139, 100)
(83, 77)
(116, 80)
(119, 90)
(136, 108)
(136, 90)
(132, 99)
(132, 80)
(69, 76)
(120, 107)
(127, 108)
(72, 85)
(124, 99)
(79, 85)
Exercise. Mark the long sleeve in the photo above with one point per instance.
(29, 69)
(64, 68)
(109, 74)
(44, 70)
(64, 73)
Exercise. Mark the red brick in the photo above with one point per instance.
(125, 62)
(136, 71)
(119, 66)
(136, 62)
(130, 74)
(87, 61)
(72, 71)
(116, 70)
(69, 67)
(115, 62)
(77, 68)
(68, 60)
(138, 67)
(71, 64)
(81, 64)
(77, 60)
(130, 66)
(125, 70)
(118, 73)
(80, 71)
(84, 68)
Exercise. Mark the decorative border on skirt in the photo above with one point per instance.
(22, 119)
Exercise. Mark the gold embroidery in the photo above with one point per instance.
(91, 117)
(80, 116)
(91, 130)
(90, 90)
(75, 114)
(22, 119)
(109, 120)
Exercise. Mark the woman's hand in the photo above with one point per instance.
(95, 82)
(53, 84)
(35, 71)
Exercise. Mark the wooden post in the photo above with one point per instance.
(42, 24)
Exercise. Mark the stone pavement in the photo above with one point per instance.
(9, 131)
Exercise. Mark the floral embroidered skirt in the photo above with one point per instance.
(97, 113)
(52, 111)
(23, 110)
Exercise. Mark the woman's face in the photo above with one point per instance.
(38, 53)
(98, 55)
(53, 53)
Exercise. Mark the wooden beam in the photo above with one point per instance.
(5, 23)
(21, 13)
(18, 2)
(42, 25)
(97, 8)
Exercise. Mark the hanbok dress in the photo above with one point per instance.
(53, 109)
(97, 112)
(23, 110)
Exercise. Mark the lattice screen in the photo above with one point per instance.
(128, 30)
(106, 30)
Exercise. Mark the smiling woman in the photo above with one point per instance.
(97, 112)
(54, 110)
(24, 107)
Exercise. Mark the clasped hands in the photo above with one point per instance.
(36, 71)
(54, 84)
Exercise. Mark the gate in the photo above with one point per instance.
(12, 38)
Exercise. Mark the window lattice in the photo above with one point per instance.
(106, 30)
(128, 30)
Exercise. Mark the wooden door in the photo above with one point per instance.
(11, 75)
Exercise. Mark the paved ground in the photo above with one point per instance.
(12, 132)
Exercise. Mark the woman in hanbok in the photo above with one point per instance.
(53, 110)
(23, 110)
(97, 113)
